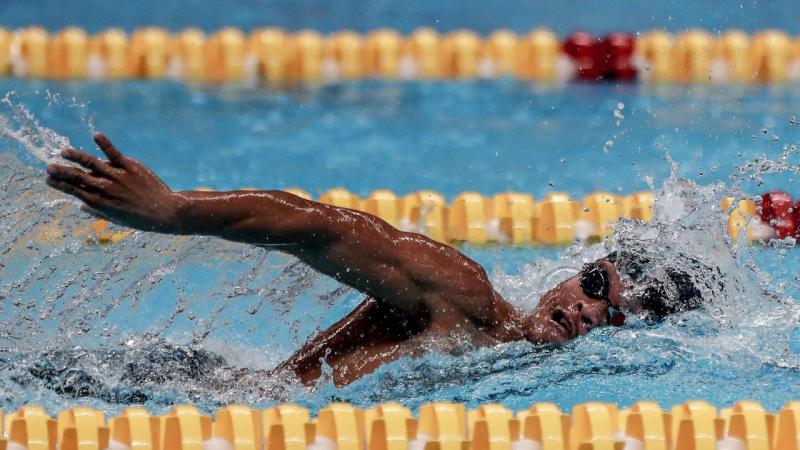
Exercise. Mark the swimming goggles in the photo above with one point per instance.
(595, 283)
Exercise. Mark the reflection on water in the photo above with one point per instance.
(158, 320)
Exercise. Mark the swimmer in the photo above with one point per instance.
(421, 295)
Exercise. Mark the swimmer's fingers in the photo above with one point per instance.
(71, 189)
(76, 177)
(86, 160)
(115, 156)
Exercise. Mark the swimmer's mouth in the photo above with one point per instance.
(560, 319)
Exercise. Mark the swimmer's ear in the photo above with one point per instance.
(114, 155)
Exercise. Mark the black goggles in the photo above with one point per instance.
(595, 283)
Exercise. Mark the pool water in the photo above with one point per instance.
(445, 15)
(134, 322)
(486, 136)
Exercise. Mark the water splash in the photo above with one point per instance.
(18, 124)
(129, 323)
(149, 301)
(743, 338)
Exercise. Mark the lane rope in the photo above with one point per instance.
(272, 56)
(513, 218)
(390, 426)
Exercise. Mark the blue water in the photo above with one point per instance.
(97, 317)
(446, 136)
(445, 15)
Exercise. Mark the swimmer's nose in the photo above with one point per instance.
(589, 314)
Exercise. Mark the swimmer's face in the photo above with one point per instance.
(566, 311)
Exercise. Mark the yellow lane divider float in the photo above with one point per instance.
(390, 426)
(513, 218)
(274, 56)
(508, 218)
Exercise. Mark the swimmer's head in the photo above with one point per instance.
(657, 288)
(604, 291)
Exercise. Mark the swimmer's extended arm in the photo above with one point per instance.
(407, 270)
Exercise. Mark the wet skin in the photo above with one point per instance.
(422, 295)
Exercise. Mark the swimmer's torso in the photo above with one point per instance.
(376, 333)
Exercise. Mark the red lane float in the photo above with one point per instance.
(797, 220)
(610, 58)
(586, 52)
(619, 48)
(777, 209)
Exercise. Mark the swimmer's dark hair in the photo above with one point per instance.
(676, 293)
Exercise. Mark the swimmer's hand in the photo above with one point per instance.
(121, 189)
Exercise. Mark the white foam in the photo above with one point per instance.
(720, 70)
(96, 67)
(730, 443)
(584, 229)
(322, 443)
(794, 70)
(632, 444)
(217, 443)
(405, 225)
(331, 70)
(494, 232)
(20, 125)
(642, 68)
(176, 69)
(19, 66)
(408, 68)
(487, 68)
(761, 231)
(565, 69)
(526, 444)
(116, 445)
(250, 70)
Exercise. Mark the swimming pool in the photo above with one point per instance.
(518, 15)
(91, 321)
